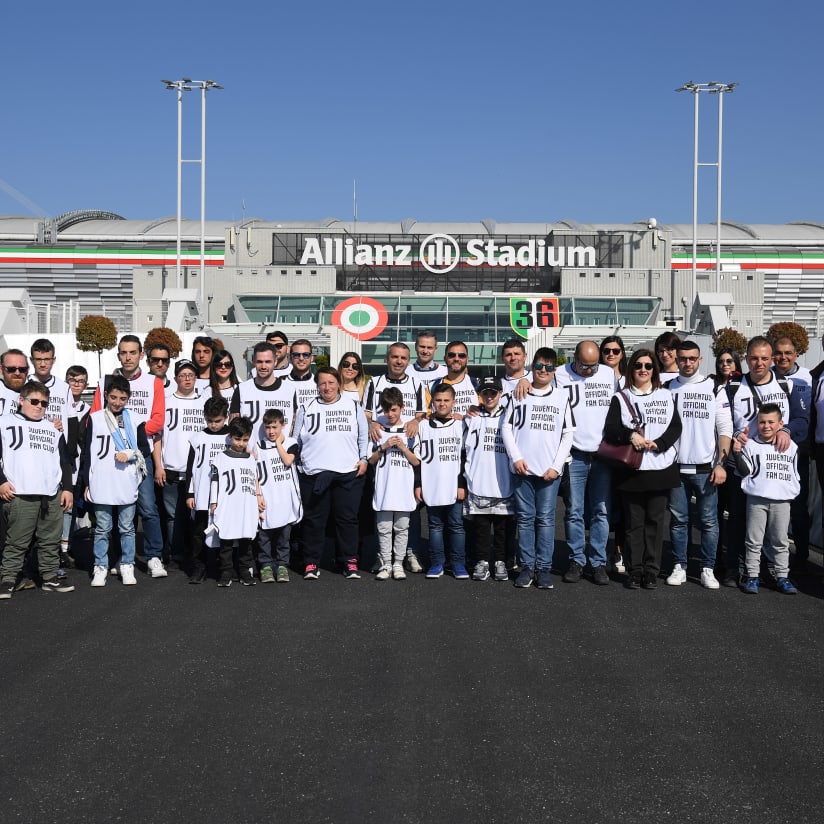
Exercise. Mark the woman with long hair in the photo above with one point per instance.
(614, 354)
(352, 378)
(223, 376)
(666, 346)
(645, 491)
(727, 367)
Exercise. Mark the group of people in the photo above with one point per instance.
(241, 479)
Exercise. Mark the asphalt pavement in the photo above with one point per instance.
(411, 701)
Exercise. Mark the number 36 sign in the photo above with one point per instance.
(528, 316)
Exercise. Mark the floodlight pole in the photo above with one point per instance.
(720, 89)
(186, 84)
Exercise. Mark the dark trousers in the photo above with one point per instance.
(736, 527)
(239, 549)
(324, 493)
(490, 536)
(198, 551)
(644, 517)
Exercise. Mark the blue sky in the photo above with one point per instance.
(518, 111)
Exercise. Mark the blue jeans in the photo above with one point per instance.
(706, 505)
(147, 509)
(103, 531)
(535, 501)
(587, 485)
(447, 519)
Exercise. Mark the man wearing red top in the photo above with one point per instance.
(147, 403)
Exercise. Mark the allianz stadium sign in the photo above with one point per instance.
(440, 253)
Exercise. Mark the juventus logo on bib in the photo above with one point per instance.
(427, 451)
(518, 417)
(231, 482)
(313, 423)
(16, 436)
(103, 446)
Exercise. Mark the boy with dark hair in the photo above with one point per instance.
(278, 482)
(112, 467)
(394, 495)
(146, 404)
(441, 485)
(770, 482)
(203, 448)
(35, 486)
(537, 434)
(235, 503)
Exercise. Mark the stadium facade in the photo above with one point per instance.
(360, 284)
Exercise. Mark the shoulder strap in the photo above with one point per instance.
(635, 422)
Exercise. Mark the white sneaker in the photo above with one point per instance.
(708, 579)
(99, 576)
(397, 571)
(677, 577)
(113, 571)
(413, 563)
(384, 574)
(156, 568)
(127, 575)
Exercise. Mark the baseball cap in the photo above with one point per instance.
(184, 364)
(490, 382)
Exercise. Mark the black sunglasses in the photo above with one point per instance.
(461, 355)
(540, 367)
(21, 370)
(37, 402)
(349, 364)
(160, 360)
(642, 365)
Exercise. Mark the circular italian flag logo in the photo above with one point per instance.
(363, 318)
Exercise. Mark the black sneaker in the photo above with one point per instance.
(198, 576)
(224, 582)
(543, 579)
(24, 583)
(6, 590)
(524, 578)
(573, 574)
(57, 585)
(633, 580)
(650, 580)
(599, 576)
(248, 581)
(66, 561)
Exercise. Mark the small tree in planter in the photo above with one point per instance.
(96, 333)
(729, 338)
(165, 336)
